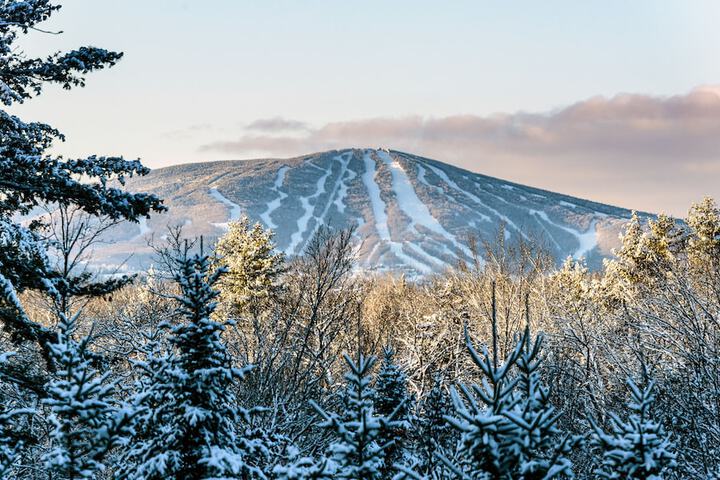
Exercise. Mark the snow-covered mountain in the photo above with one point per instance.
(412, 214)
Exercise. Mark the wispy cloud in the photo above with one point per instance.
(640, 151)
(277, 124)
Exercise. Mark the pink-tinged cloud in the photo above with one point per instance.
(277, 124)
(637, 151)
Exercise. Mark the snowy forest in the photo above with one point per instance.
(229, 360)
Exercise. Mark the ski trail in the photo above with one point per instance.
(376, 202)
(344, 160)
(421, 177)
(337, 190)
(426, 256)
(381, 220)
(343, 189)
(504, 217)
(444, 177)
(235, 210)
(418, 265)
(302, 222)
(410, 203)
(586, 240)
(535, 214)
(452, 184)
(275, 203)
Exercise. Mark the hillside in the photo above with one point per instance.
(412, 214)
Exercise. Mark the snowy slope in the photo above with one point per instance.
(412, 214)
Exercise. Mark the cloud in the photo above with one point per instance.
(639, 151)
(277, 124)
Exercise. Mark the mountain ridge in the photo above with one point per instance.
(413, 214)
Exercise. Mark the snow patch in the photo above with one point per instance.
(144, 229)
(235, 210)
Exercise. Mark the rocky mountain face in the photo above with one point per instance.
(412, 214)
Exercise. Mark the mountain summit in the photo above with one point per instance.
(412, 214)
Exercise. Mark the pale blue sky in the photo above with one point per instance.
(198, 72)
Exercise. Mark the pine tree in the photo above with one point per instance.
(356, 453)
(392, 400)
(636, 449)
(87, 424)
(253, 267)
(193, 427)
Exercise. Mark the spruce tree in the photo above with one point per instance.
(392, 400)
(303, 468)
(542, 453)
(193, 427)
(11, 443)
(506, 424)
(635, 449)
(87, 423)
(356, 453)
(434, 434)
(31, 177)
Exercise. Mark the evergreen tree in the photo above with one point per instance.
(541, 454)
(193, 427)
(704, 240)
(507, 426)
(392, 400)
(10, 442)
(636, 449)
(303, 468)
(29, 176)
(87, 423)
(253, 267)
(356, 453)
(434, 434)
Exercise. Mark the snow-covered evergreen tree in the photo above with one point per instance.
(9, 446)
(434, 435)
(356, 453)
(507, 426)
(638, 448)
(30, 177)
(253, 267)
(192, 427)
(392, 400)
(10, 442)
(298, 467)
(541, 451)
(87, 423)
